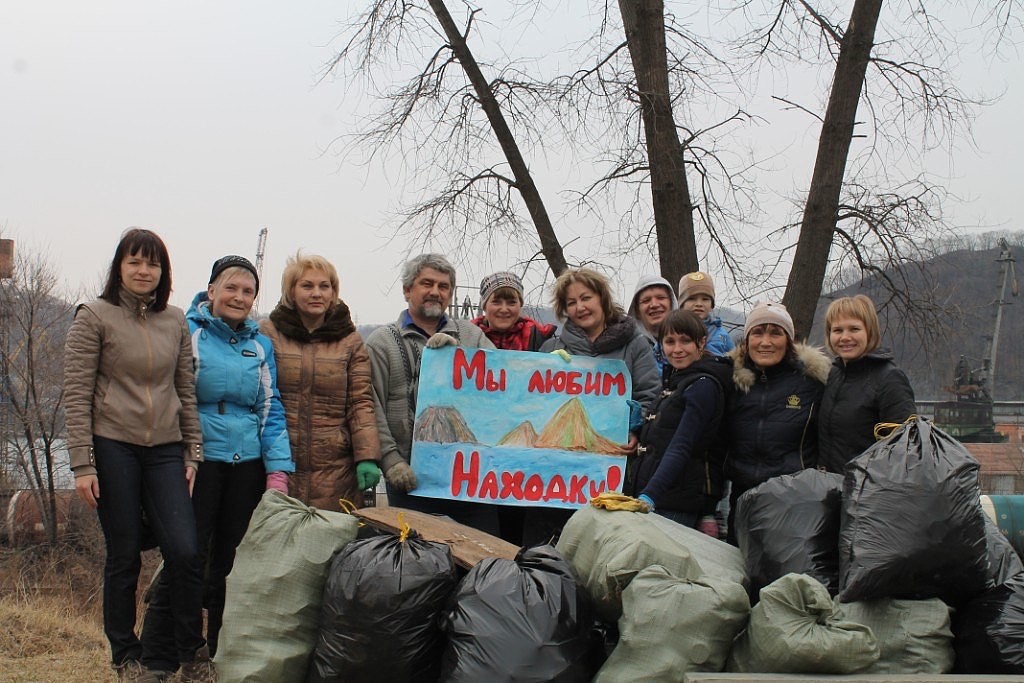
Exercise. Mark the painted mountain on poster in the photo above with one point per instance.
(569, 429)
(522, 435)
(442, 424)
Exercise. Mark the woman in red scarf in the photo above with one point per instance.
(501, 299)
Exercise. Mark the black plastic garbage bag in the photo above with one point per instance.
(524, 621)
(989, 631)
(912, 524)
(382, 608)
(790, 525)
(1003, 561)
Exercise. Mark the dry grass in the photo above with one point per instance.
(51, 614)
(42, 639)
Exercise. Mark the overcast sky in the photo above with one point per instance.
(205, 122)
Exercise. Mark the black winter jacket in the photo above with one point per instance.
(671, 464)
(770, 427)
(858, 396)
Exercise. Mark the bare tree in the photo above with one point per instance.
(905, 84)
(644, 24)
(640, 87)
(478, 202)
(34, 321)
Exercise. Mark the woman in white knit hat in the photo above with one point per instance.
(770, 427)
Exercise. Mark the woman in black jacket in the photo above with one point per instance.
(770, 427)
(671, 471)
(864, 387)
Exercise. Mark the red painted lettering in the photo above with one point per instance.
(576, 484)
(474, 368)
(572, 383)
(614, 477)
(592, 383)
(489, 487)
(536, 384)
(556, 489)
(618, 381)
(460, 476)
(558, 383)
(596, 491)
(496, 384)
(512, 485)
(534, 488)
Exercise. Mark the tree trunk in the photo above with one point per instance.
(549, 244)
(820, 213)
(644, 23)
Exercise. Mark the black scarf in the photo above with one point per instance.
(337, 324)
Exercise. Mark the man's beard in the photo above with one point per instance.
(431, 309)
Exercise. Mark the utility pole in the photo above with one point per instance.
(6, 285)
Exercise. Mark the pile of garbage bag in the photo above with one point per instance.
(891, 569)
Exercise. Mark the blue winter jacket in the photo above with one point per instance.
(719, 342)
(236, 389)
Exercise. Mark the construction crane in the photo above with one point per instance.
(261, 250)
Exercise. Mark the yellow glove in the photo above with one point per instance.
(563, 354)
(610, 500)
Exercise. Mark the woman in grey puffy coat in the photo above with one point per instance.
(596, 326)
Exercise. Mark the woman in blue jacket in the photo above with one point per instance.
(245, 439)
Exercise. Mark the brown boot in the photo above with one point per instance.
(128, 671)
(199, 670)
(153, 676)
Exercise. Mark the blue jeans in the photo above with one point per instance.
(132, 479)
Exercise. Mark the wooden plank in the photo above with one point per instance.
(468, 545)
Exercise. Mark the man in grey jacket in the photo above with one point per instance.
(428, 283)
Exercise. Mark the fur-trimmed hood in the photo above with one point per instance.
(811, 360)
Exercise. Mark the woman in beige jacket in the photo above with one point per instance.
(135, 441)
(323, 374)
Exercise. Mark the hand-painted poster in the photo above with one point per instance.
(519, 428)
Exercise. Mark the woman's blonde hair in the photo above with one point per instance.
(859, 308)
(296, 265)
(592, 280)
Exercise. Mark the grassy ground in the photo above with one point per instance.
(51, 613)
(42, 640)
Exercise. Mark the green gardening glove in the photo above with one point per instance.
(367, 474)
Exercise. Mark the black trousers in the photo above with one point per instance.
(224, 497)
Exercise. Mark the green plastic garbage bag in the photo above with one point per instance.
(275, 589)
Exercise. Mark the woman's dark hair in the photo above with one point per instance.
(146, 244)
(683, 322)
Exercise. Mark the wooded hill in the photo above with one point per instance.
(958, 290)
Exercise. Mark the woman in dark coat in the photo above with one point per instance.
(864, 387)
(671, 470)
(770, 427)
